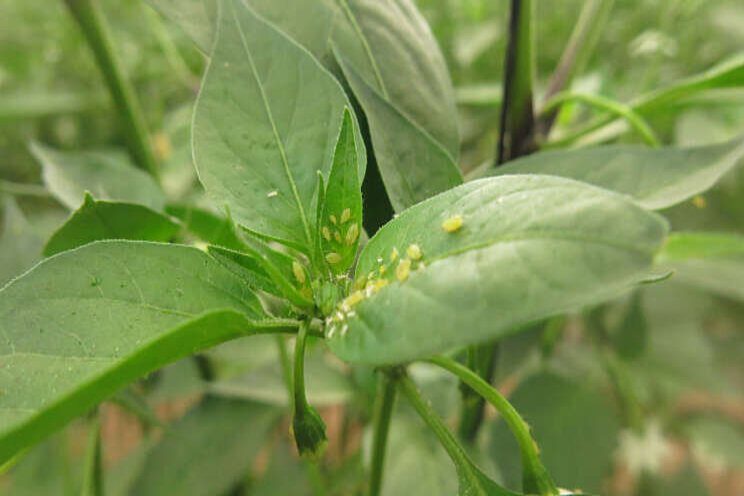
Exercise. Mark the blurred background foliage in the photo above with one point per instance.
(686, 345)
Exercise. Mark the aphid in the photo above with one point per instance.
(344, 329)
(380, 259)
(331, 332)
(272, 194)
(381, 283)
(326, 233)
(352, 233)
(345, 215)
(337, 237)
(699, 202)
(394, 255)
(333, 258)
(360, 283)
(351, 314)
(452, 224)
(414, 252)
(382, 269)
(333, 219)
(353, 299)
(299, 272)
(403, 270)
(338, 317)
(341, 277)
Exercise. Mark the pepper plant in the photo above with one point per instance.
(325, 137)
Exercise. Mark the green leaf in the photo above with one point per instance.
(529, 247)
(266, 121)
(565, 417)
(247, 267)
(340, 224)
(258, 261)
(378, 40)
(410, 444)
(107, 175)
(196, 17)
(656, 178)
(207, 226)
(208, 451)
(712, 261)
(84, 323)
(97, 220)
(413, 165)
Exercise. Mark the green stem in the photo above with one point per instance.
(481, 359)
(517, 118)
(24, 189)
(581, 44)
(286, 364)
(93, 475)
(613, 107)
(299, 365)
(532, 466)
(427, 413)
(386, 401)
(88, 15)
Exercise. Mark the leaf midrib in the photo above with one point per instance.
(270, 116)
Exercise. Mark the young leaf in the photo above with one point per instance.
(656, 178)
(712, 261)
(208, 451)
(247, 267)
(107, 175)
(266, 121)
(340, 224)
(97, 220)
(487, 257)
(84, 323)
(207, 226)
(287, 273)
(413, 165)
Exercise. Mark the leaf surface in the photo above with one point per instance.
(529, 247)
(107, 175)
(97, 220)
(208, 451)
(266, 121)
(340, 223)
(656, 177)
(84, 323)
(711, 261)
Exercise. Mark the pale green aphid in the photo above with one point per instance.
(453, 223)
(352, 233)
(299, 272)
(345, 215)
(333, 258)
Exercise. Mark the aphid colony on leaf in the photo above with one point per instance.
(352, 233)
(368, 285)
